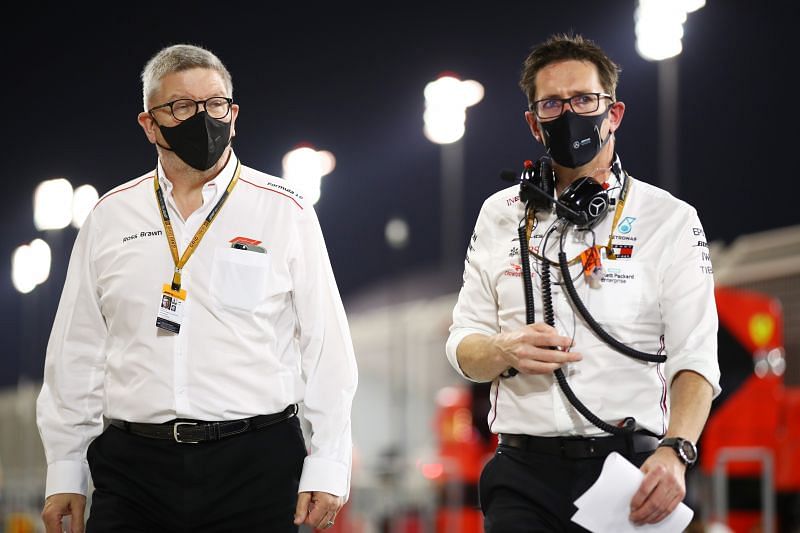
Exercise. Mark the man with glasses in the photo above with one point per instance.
(563, 396)
(199, 396)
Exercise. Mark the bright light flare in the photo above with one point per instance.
(446, 101)
(306, 166)
(659, 26)
(52, 204)
(396, 233)
(431, 470)
(83, 201)
(30, 265)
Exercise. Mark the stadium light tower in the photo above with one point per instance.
(659, 30)
(446, 103)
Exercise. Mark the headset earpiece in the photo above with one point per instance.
(541, 176)
(587, 199)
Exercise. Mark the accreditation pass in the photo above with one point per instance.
(170, 309)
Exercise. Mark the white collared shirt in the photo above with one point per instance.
(656, 297)
(260, 330)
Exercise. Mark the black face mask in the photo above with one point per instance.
(199, 141)
(574, 140)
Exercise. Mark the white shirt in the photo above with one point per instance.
(260, 330)
(659, 300)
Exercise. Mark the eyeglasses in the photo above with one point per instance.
(581, 104)
(185, 108)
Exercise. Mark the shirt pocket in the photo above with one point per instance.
(619, 297)
(240, 278)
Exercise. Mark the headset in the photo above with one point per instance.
(584, 204)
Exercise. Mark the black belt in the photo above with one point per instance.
(194, 431)
(582, 447)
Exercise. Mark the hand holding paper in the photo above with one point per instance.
(605, 507)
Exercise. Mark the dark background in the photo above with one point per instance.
(349, 79)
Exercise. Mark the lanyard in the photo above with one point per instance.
(617, 213)
(173, 246)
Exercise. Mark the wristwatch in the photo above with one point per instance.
(685, 449)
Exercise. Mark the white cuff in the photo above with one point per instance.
(325, 475)
(67, 476)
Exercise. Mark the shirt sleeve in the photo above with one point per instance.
(688, 305)
(476, 308)
(69, 406)
(328, 363)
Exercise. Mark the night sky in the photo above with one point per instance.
(350, 80)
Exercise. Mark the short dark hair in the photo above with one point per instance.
(563, 47)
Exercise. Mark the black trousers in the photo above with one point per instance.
(245, 483)
(529, 492)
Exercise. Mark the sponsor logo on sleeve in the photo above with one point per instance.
(515, 270)
(705, 255)
(471, 246)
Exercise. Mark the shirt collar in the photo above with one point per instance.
(212, 188)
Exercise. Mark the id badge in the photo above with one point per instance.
(170, 309)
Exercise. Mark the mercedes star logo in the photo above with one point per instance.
(596, 206)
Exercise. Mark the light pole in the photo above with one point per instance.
(396, 233)
(446, 102)
(306, 166)
(659, 30)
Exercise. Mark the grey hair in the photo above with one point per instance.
(177, 58)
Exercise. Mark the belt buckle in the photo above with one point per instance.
(175, 432)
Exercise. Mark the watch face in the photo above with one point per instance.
(688, 450)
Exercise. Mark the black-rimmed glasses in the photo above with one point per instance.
(185, 108)
(581, 104)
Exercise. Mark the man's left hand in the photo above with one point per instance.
(662, 489)
(317, 509)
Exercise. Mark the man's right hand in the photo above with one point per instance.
(534, 349)
(57, 506)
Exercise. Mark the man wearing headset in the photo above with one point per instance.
(644, 274)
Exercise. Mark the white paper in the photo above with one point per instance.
(605, 506)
